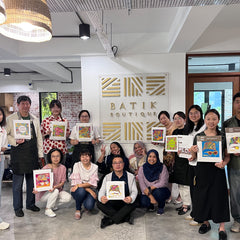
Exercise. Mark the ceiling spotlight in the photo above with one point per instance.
(7, 72)
(2, 12)
(84, 31)
(27, 20)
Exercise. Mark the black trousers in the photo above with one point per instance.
(117, 210)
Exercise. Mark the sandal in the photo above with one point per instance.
(184, 210)
(77, 215)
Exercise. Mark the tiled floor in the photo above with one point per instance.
(147, 226)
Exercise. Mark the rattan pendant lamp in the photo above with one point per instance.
(27, 20)
(2, 12)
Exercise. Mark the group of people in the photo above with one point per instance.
(147, 179)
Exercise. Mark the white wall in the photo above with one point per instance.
(15, 86)
(93, 67)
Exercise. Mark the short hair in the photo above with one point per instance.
(236, 96)
(50, 154)
(117, 156)
(82, 111)
(181, 114)
(165, 113)
(23, 98)
(55, 102)
(85, 151)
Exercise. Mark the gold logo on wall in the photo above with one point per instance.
(112, 131)
(133, 86)
(133, 131)
(156, 85)
(150, 125)
(111, 87)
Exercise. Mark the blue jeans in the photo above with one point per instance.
(17, 191)
(81, 196)
(234, 182)
(160, 195)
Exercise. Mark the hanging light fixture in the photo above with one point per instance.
(84, 31)
(27, 20)
(2, 12)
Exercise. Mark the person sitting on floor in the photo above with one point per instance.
(55, 196)
(118, 211)
(84, 182)
(153, 181)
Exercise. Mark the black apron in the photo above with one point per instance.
(24, 157)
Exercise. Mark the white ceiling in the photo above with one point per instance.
(133, 26)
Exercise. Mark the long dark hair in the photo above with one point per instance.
(3, 122)
(190, 125)
(165, 113)
(122, 154)
(217, 113)
(58, 104)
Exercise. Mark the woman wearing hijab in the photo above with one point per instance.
(153, 181)
(137, 159)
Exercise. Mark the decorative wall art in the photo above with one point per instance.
(22, 129)
(158, 134)
(171, 143)
(85, 131)
(59, 130)
(130, 104)
(115, 190)
(233, 139)
(209, 148)
(43, 179)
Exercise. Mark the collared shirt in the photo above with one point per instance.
(122, 178)
(48, 144)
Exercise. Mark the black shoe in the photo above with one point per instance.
(222, 235)
(179, 208)
(151, 208)
(106, 221)
(184, 210)
(131, 220)
(19, 213)
(204, 228)
(34, 208)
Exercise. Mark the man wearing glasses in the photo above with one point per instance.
(118, 211)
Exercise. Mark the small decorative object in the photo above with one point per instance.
(209, 148)
(184, 146)
(43, 179)
(115, 190)
(158, 134)
(233, 139)
(58, 130)
(84, 132)
(171, 143)
(22, 129)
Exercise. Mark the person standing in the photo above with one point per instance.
(234, 167)
(3, 147)
(48, 144)
(25, 156)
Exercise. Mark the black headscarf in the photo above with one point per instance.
(152, 172)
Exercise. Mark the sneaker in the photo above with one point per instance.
(194, 223)
(34, 208)
(151, 208)
(160, 211)
(19, 213)
(4, 225)
(188, 217)
(235, 227)
(169, 200)
(49, 212)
